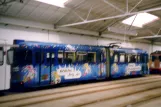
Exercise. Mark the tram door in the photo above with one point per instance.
(48, 60)
(37, 65)
(108, 62)
(145, 66)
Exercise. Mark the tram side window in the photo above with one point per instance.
(25, 56)
(22, 57)
(122, 58)
(99, 57)
(81, 57)
(38, 57)
(48, 59)
(132, 58)
(85, 57)
(138, 58)
(159, 58)
(1, 56)
(116, 58)
(102, 57)
(69, 57)
(154, 58)
(52, 57)
(60, 57)
(146, 57)
(91, 57)
(126, 58)
(42, 57)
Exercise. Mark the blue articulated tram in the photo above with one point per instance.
(41, 64)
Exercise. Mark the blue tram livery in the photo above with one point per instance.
(40, 64)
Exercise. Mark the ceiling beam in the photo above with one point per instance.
(111, 17)
(135, 5)
(104, 28)
(4, 20)
(6, 2)
(74, 8)
(107, 2)
(44, 26)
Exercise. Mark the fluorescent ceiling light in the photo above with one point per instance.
(140, 20)
(122, 31)
(59, 3)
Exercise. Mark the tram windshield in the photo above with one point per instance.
(22, 57)
(156, 58)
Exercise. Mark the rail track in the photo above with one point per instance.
(115, 93)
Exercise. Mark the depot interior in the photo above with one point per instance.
(134, 23)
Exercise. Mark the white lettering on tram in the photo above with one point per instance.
(69, 72)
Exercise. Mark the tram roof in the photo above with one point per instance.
(129, 50)
(66, 47)
(73, 47)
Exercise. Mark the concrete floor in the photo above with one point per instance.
(139, 92)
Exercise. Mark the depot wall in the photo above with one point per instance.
(10, 33)
(156, 47)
